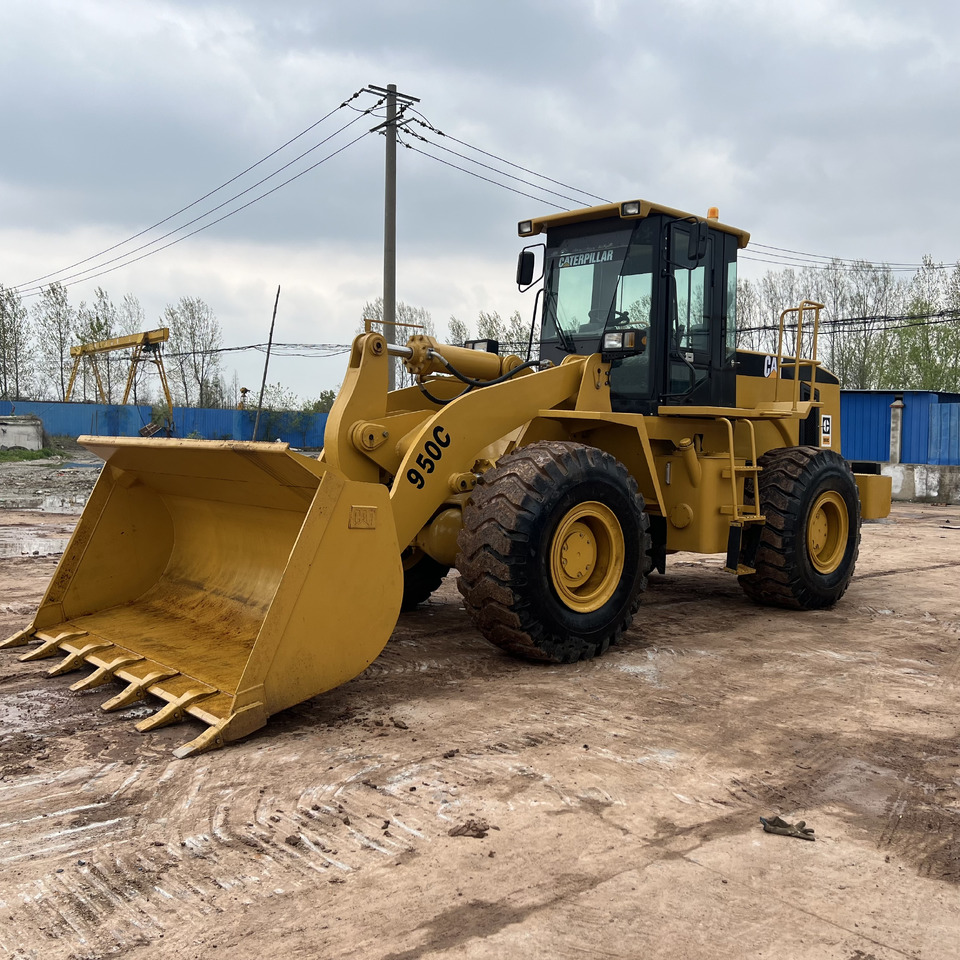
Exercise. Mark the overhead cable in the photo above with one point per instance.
(207, 195)
(479, 176)
(426, 123)
(126, 262)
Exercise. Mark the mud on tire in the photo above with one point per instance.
(553, 553)
(810, 542)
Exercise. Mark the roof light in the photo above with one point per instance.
(525, 228)
(630, 209)
(484, 346)
(713, 213)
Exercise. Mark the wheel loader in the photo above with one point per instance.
(231, 580)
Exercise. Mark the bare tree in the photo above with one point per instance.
(15, 355)
(458, 332)
(92, 324)
(130, 317)
(53, 319)
(410, 321)
(195, 341)
(749, 315)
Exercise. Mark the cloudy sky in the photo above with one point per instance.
(826, 127)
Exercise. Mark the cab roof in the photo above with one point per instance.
(606, 211)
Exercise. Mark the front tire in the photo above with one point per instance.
(810, 542)
(553, 552)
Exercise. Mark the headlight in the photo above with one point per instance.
(624, 341)
(630, 209)
(525, 228)
(620, 340)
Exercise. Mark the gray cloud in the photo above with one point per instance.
(820, 126)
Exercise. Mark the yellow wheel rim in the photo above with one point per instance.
(827, 532)
(587, 556)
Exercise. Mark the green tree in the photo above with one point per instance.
(323, 403)
(950, 345)
(921, 346)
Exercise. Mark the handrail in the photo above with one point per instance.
(798, 361)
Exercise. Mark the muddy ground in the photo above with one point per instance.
(453, 802)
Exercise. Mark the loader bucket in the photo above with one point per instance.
(231, 580)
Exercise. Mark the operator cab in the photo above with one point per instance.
(652, 289)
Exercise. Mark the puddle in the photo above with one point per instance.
(20, 711)
(34, 541)
(70, 504)
(33, 547)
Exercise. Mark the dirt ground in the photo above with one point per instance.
(453, 802)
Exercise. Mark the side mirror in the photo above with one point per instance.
(697, 248)
(525, 267)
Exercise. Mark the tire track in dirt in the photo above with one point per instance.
(122, 868)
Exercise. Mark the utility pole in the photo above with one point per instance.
(389, 128)
(266, 363)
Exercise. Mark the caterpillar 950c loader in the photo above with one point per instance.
(232, 580)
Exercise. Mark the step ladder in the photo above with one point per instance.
(746, 520)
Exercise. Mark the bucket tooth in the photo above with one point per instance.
(51, 645)
(211, 739)
(76, 659)
(173, 712)
(19, 639)
(105, 673)
(137, 689)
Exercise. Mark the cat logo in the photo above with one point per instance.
(826, 423)
(769, 366)
(579, 259)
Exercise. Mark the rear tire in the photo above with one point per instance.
(811, 539)
(553, 552)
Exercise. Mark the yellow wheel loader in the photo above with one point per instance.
(233, 580)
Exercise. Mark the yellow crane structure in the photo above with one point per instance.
(146, 348)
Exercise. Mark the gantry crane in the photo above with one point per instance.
(146, 347)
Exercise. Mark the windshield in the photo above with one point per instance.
(598, 280)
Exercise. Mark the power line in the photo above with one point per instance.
(842, 261)
(312, 350)
(487, 166)
(426, 123)
(868, 324)
(79, 278)
(210, 193)
(862, 265)
(479, 176)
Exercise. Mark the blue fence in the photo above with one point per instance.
(865, 425)
(943, 447)
(930, 426)
(304, 430)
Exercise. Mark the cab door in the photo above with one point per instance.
(694, 348)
